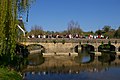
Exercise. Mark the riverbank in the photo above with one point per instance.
(6, 74)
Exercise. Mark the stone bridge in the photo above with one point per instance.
(68, 45)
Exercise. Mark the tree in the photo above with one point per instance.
(106, 28)
(74, 28)
(9, 11)
(36, 30)
(117, 33)
(99, 32)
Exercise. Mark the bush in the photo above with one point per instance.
(80, 42)
(115, 41)
(54, 41)
(6, 74)
(63, 41)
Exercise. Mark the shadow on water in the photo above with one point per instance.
(35, 59)
(107, 57)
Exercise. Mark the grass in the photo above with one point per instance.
(6, 74)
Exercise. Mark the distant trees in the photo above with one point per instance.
(36, 30)
(108, 31)
(106, 28)
(117, 33)
(99, 32)
(74, 28)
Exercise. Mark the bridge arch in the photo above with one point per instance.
(91, 47)
(77, 48)
(36, 48)
(106, 47)
(22, 50)
(82, 47)
(119, 48)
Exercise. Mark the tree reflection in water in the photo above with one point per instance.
(36, 59)
(107, 57)
(90, 69)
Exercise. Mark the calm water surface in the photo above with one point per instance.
(110, 70)
(110, 74)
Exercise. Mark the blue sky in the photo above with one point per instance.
(54, 15)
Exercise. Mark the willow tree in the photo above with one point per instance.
(9, 11)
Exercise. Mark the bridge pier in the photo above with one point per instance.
(79, 48)
(69, 47)
(116, 49)
(96, 49)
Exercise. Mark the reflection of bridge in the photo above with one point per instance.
(57, 45)
(117, 58)
(65, 62)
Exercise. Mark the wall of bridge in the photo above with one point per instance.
(65, 48)
(58, 47)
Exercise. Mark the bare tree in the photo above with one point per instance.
(36, 30)
(74, 28)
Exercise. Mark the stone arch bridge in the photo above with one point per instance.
(69, 45)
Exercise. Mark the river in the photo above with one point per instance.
(85, 66)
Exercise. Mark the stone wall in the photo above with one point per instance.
(67, 47)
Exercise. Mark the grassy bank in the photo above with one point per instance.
(6, 74)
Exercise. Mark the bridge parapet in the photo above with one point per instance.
(70, 44)
(67, 40)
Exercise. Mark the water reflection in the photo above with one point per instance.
(85, 67)
(84, 57)
(112, 74)
(35, 59)
(107, 57)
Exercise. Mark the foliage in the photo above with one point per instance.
(106, 47)
(102, 43)
(19, 60)
(87, 41)
(110, 34)
(109, 43)
(79, 42)
(54, 41)
(106, 28)
(115, 41)
(36, 30)
(88, 33)
(63, 41)
(6, 74)
(117, 33)
(74, 28)
(9, 11)
(99, 32)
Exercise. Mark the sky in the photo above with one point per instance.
(54, 15)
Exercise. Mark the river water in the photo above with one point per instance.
(81, 67)
(112, 73)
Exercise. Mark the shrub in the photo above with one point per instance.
(63, 41)
(6, 74)
(54, 41)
